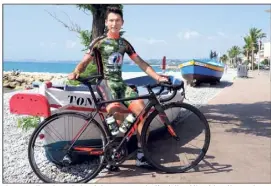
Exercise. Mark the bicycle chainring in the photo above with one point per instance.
(115, 158)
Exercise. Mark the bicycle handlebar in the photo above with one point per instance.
(170, 86)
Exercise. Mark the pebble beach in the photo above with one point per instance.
(16, 168)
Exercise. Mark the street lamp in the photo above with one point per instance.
(259, 44)
(269, 11)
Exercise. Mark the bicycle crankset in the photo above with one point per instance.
(113, 157)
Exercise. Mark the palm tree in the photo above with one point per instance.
(234, 52)
(224, 58)
(231, 55)
(237, 52)
(255, 35)
(248, 46)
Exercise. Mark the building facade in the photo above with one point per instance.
(264, 52)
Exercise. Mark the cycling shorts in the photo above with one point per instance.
(110, 90)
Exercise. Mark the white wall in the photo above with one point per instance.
(267, 50)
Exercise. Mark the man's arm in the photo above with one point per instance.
(146, 67)
(142, 64)
(88, 56)
(83, 64)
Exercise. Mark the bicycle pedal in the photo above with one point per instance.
(66, 160)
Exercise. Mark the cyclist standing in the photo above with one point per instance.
(107, 51)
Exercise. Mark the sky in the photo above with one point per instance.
(174, 31)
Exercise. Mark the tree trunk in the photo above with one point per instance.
(252, 59)
(98, 23)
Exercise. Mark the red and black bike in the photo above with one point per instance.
(166, 132)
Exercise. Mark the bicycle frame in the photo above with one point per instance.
(153, 102)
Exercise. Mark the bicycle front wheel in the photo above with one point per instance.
(54, 154)
(166, 153)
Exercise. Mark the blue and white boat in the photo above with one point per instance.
(55, 98)
(197, 71)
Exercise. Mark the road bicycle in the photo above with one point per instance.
(111, 150)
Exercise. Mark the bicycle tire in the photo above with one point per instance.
(152, 116)
(46, 122)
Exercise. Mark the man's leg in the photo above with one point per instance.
(107, 92)
(136, 107)
(115, 109)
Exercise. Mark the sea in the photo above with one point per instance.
(59, 67)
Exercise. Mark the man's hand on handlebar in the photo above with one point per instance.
(162, 79)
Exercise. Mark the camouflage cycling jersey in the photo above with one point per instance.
(108, 54)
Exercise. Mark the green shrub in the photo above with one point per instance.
(28, 122)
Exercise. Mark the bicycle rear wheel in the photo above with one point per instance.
(166, 153)
(48, 149)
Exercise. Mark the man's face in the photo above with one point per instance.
(114, 22)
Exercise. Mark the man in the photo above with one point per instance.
(108, 51)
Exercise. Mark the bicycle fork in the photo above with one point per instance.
(166, 122)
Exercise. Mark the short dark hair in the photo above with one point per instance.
(113, 9)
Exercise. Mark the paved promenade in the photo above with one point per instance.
(240, 148)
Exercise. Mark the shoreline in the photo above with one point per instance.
(13, 82)
(38, 73)
(59, 78)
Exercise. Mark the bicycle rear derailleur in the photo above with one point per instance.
(113, 157)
